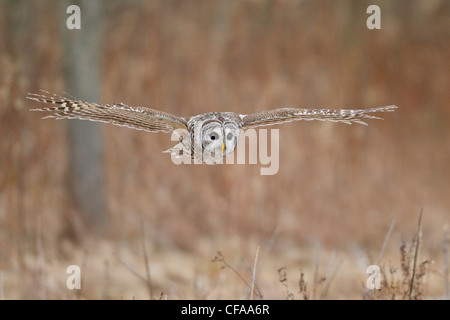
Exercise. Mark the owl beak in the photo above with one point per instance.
(223, 147)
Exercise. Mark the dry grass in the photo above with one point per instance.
(397, 281)
(338, 186)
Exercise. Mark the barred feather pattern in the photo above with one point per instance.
(139, 118)
(282, 115)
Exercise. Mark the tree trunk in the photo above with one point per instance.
(81, 60)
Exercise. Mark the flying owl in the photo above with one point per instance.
(206, 138)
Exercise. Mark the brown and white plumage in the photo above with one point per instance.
(139, 118)
(282, 115)
(205, 132)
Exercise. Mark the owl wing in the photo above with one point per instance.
(139, 118)
(277, 116)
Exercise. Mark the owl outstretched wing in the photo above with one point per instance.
(139, 118)
(277, 116)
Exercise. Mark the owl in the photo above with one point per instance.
(205, 138)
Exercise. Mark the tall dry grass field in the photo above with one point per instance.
(319, 222)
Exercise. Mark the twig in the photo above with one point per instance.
(316, 270)
(266, 251)
(219, 258)
(147, 267)
(282, 277)
(269, 246)
(83, 270)
(254, 273)
(331, 272)
(385, 242)
(303, 287)
(368, 292)
(419, 235)
(130, 268)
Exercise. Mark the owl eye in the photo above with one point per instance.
(229, 136)
(213, 136)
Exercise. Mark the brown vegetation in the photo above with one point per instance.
(319, 219)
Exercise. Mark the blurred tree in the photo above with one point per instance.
(81, 61)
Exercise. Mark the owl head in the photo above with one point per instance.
(219, 138)
(215, 137)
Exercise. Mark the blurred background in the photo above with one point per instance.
(144, 228)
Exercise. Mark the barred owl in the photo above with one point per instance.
(211, 135)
